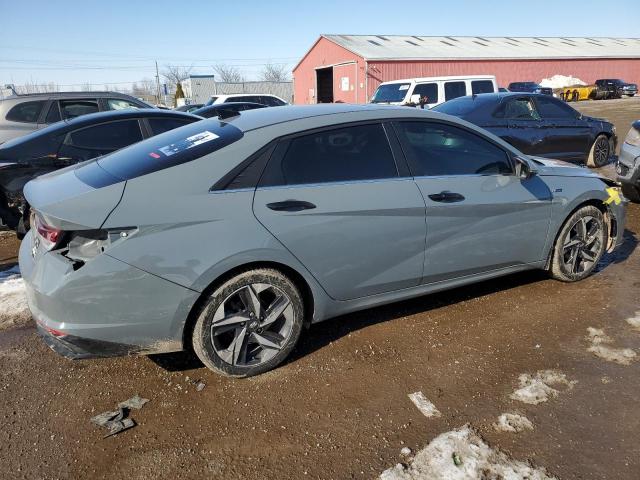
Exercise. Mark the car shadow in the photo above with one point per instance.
(620, 254)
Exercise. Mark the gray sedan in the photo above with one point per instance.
(229, 237)
(628, 166)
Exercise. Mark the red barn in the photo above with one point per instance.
(349, 68)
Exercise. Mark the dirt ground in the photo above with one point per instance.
(339, 408)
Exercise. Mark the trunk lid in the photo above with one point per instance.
(68, 203)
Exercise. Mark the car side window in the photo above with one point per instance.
(552, 108)
(76, 108)
(345, 154)
(107, 136)
(26, 112)
(454, 90)
(161, 125)
(435, 149)
(481, 86)
(119, 104)
(517, 109)
(428, 90)
(272, 101)
(53, 115)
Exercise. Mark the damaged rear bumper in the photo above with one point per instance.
(77, 348)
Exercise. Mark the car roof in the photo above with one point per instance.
(101, 117)
(441, 78)
(101, 93)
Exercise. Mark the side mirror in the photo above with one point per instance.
(415, 99)
(524, 169)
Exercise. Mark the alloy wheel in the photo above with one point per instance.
(601, 151)
(582, 245)
(252, 325)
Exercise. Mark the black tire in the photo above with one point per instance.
(203, 337)
(631, 192)
(600, 152)
(562, 266)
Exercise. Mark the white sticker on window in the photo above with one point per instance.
(189, 142)
(404, 87)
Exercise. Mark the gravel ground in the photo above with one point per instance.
(340, 407)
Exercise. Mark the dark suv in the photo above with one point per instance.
(21, 114)
(614, 88)
(529, 87)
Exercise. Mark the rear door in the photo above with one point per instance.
(480, 216)
(335, 200)
(566, 137)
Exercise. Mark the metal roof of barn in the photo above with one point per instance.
(410, 47)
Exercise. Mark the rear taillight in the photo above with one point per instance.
(49, 236)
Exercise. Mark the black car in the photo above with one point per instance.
(538, 125)
(614, 88)
(225, 110)
(529, 87)
(69, 142)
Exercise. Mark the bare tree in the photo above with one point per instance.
(86, 87)
(33, 87)
(228, 73)
(175, 74)
(275, 72)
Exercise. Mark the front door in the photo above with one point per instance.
(335, 200)
(524, 127)
(480, 216)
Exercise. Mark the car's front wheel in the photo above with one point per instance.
(600, 151)
(249, 324)
(579, 246)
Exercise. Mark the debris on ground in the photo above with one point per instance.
(635, 320)
(116, 421)
(13, 300)
(427, 408)
(199, 384)
(405, 452)
(512, 423)
(535, 389)
(600, 348)
(463, 455)
(135, 402)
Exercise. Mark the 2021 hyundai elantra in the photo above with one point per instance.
(229, 237)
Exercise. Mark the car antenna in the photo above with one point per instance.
(227, 113)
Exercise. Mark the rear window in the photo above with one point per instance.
(481, 86)
(166, 150)
(26, 112)
(458, 107)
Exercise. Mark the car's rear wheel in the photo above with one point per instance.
(579, 246)
(600, 150)
(631, 192)
(249, 324)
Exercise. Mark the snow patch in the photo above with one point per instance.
(512, 423)
(599, 347)
(634, 321)
(462, 455)
(427, 408)
(13, 302)
(535, 389)
(561, 81)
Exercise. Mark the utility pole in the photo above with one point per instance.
(157, 84)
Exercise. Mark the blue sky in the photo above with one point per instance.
(116, 42)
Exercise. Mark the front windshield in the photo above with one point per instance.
(391, 92)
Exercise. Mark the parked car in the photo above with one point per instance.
(21, 114)
(262, 98)
(225, 110)
(432, 91)
(628, 166)
(539, 125)
(232, 236)
(529, 87)
(70, 142)
(189, 108)
(613, 88)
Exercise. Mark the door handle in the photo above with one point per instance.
(291, 206)
(446, 197)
